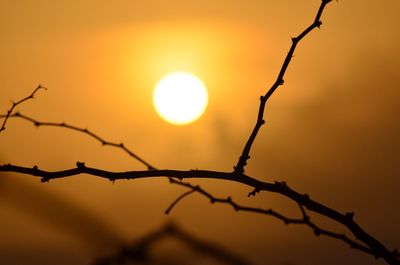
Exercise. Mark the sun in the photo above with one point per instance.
(180, 98)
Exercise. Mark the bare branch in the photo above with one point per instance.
(85, 131)
(305, 220)
(9, 112)
(239, 168)
(282, 188)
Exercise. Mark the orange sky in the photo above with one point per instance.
(332, 129)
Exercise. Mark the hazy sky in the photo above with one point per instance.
(332, 130)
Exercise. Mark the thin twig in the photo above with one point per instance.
(239, 168)
(9, 112)
(169, 209)
(82, 130)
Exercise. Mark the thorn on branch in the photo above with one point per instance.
(80, 164)
(317, 232)
(44, 179)
(35, 170)
(306, 196)
(254, 192)
(318, 24)
(350, 215)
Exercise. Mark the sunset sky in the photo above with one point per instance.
(332, 131)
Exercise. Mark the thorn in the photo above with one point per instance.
(254, 192)
(37, 124)
(318, 24)
(306, 196)
(44, 180)
(317, 232)
(350, 215)
(212, 200)
(121, 144)
(294, 39)
(80, 164)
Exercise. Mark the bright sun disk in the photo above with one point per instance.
(180, 98)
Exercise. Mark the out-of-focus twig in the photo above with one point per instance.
(139, 251)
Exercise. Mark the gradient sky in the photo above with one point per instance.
(332, 130)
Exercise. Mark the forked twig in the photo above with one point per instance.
(305, 220)
(9, 112)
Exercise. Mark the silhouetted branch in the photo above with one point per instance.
(377, 248)
(82, 130)
(9, 112)
(305, 220)
(239, 168)
(139, 251)
(372, 245)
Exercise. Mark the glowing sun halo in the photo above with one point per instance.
(180, 98)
